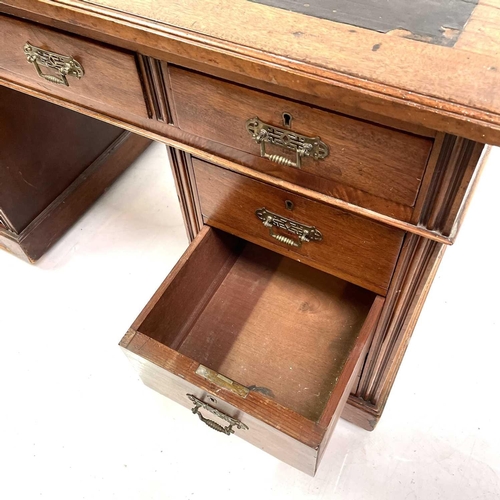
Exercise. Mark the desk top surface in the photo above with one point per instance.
(434, 21)
(438, 55)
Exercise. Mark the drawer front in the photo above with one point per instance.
(353, 248)
(152, 360)
(108, 81)
(363, 157)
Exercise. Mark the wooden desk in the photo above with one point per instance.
(350, 144)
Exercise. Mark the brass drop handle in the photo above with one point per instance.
(228, 430)
(303, 146)
(282, 238)
(260, 139)
(303, 232)
(214, 425)
(65, 65)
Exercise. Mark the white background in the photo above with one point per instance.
(75, 421)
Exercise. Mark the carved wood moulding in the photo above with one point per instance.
(412, 279)
(153, 77)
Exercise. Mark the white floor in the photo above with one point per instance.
(75, 422)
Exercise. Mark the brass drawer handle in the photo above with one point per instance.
(65, 65)
(228, 430)
(263, 133)
(305, 233)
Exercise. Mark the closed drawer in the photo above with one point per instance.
(367, 164)
(108, 81)
(351, 247)
(256, 344)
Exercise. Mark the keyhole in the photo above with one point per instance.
(289, 205)
(212, 399)
(287, 120)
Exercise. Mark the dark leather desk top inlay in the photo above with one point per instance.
(434, 21)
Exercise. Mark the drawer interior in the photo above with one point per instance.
(276, 326)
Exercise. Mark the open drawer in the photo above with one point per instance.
(256, 344)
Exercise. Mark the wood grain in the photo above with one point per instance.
(110, 83)
(455, 169)
(337, 407)
(75, 200)
(374, 159)
(257, 290)
(190, 286)
(482, 33)
(44, 149)
(386, 214)
(400, 83)
(407, 293)
(353, 248)
(281, 327)
(173, 375)
(417, 266)
(54, 164)
(152, 75)
(182, 171)
(267, 42)
(333, 191)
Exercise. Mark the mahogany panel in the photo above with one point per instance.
(44, 149)
(378, 160)
(50, 225)
(356, 249)
(110, 84)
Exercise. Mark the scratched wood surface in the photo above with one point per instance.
(434, 21)
(281, 328)
(451, 89)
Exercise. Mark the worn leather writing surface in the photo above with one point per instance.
(434, 21)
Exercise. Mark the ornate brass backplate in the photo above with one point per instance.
(228, 430)
(262, 133)
(304, 232)
(64, 65)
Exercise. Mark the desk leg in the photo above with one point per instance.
(182, 170)
(415, 271)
